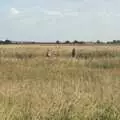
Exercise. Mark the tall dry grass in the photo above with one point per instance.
(33, 87)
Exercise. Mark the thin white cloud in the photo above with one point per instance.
(71, 13)
(61, 13)
(14, 11)
(53, 12)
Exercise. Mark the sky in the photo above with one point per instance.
(51, 20)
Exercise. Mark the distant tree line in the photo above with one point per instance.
(69, 42)
(114, 42)
(59, 42)
(5, 42)
(83, 42)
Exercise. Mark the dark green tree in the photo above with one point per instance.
(75, 41)
(67, 42)
(57, 42)
(98, 41)
(7, 42)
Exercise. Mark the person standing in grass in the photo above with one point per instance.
(73, 52)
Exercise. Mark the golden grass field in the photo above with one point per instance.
(33, 87)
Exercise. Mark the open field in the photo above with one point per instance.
(33, 87)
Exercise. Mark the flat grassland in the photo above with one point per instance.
(34, 87)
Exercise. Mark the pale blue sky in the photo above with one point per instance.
(51, 20)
